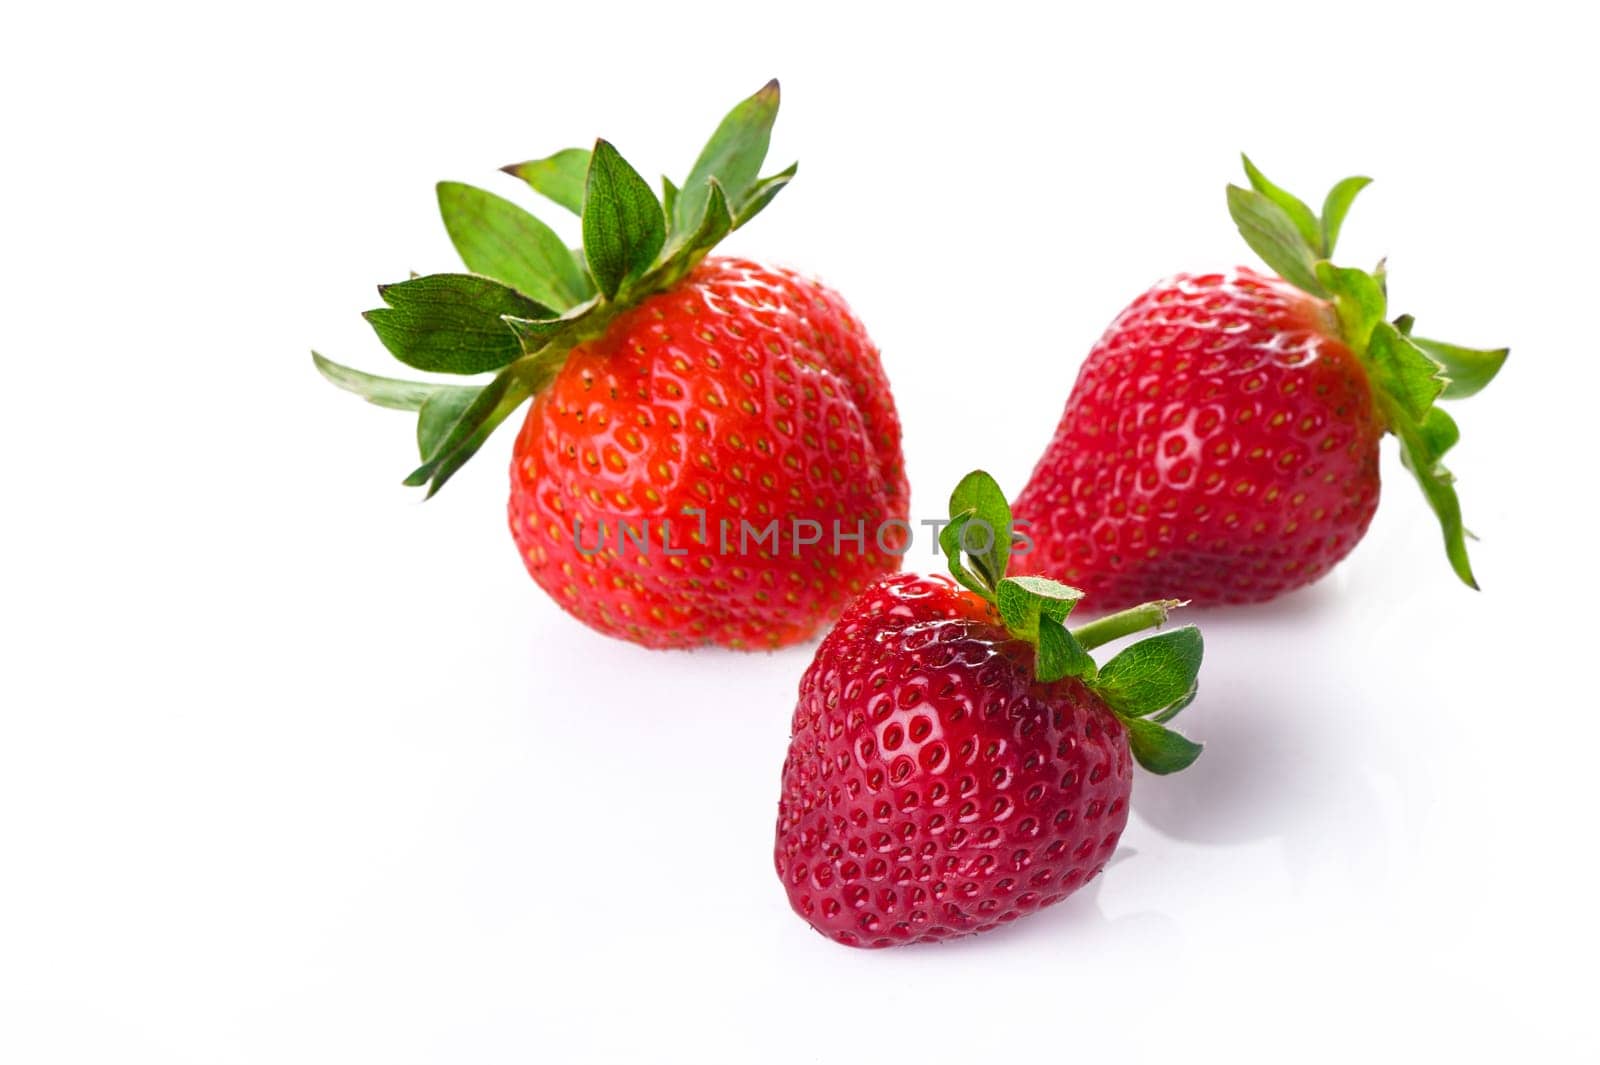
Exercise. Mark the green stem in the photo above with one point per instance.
(1124, 623)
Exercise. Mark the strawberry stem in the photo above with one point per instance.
(1124, 623)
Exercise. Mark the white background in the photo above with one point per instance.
(296, 769)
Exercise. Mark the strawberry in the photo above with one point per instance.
(957, 758)
(711, 450)
(1221, 441)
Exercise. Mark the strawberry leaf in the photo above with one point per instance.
(1305, 222)
(1059, 654)
(1271, 234)
(715, 222)
(381, 391)
(1153, 674)
(1335, 207)
(986, 534)
(455, 441)
(762, 192)
(438, 405)
(733, 156)
(1408, 381)
(1422, 445)
(1404, 372)
(498, 239)
(950, 538)
(450, 323)
(623, 228)
(1439, 433)
(536, 334)
(560, 177)
(439, 414)
(669, 197)
(1176, 708)
(1051, 599)
(1019, 609)
(1159, 749)
(1467, 370)
(1358, 299)
(1024, 602)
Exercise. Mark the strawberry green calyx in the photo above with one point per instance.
(1408, 374)
(1145, 685)
(528, 299)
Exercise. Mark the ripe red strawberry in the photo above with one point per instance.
(957, 759)
(1221, 442)
(748, 393)
(711, 450)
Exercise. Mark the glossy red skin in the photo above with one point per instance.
(748, 392)
(1220, 446)
(933, 788)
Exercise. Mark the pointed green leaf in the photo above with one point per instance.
(1425, 432)
(454, 442)
(1468, 369)
(1019, 609)
(450, 323)
(581, 265)
(1033, 609)
(536, 333)
(733, 155)
(1023, 601)
(669, 197)
(950, 539)
(1059, 654)
(1358, 298)
(439, 415)
(381, 391)
(1421, 447)
(623, 228)
(1176, 708)
(1272, 235)
(1152, 674)
(1438, 433)
(1334, 209)
(1158, 748)
(762, 192)
(1403, 372)
(986, 536)
(439, 405)
(1305, 222)
(1056, 600)
(498, 239)
(715, 223)
(559, 177)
